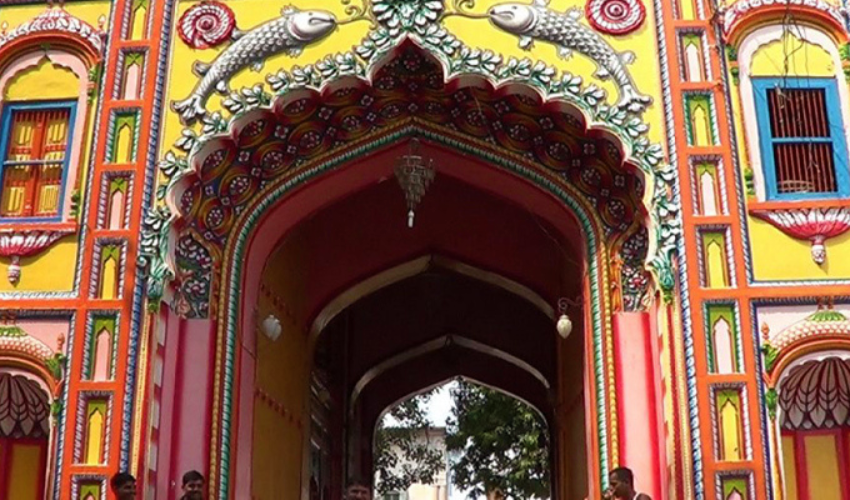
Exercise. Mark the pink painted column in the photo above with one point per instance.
(638, 411)
(187, 393)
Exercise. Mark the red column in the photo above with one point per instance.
(637, 402)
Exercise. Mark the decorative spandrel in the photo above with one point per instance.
(295, 93)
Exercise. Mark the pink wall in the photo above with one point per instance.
(186, 402)
(640, 443)
(46, 330)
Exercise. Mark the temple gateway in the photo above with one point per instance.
(234, 232)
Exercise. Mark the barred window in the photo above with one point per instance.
(802, 138)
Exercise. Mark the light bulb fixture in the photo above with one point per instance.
(565, 324)
(271, 328)
(414, 176)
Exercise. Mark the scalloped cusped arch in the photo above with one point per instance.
(228, 173)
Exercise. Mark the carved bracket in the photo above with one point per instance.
(15, 243)
(814, 224)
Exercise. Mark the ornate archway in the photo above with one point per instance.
(524, 119)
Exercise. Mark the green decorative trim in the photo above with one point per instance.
(844, 52)
(750, 181)
(770, 354)
(771, 400)
(56, 365)
(76, 197)
(826, 315)
(12, 331)
(95, 77)
(728, 313)
(56, 408)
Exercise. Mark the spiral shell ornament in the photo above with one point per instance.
(615, 17)
(206, 25)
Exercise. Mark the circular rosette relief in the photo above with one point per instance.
(207, 24)
(616, 17)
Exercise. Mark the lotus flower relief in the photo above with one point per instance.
(815, 225)
(407, 15)
(17, 244)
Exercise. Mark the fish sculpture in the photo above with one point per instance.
(289, 34)
(537, 22)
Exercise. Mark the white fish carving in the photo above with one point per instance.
(289, 33)
(537, 22)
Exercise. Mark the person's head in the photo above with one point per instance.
(124, 486)
(193, 485)
(622, 482)
(358, 489)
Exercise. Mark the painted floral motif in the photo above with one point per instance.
(207, 24)
(616, 17)
(194, 278)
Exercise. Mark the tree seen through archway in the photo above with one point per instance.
(492, 445)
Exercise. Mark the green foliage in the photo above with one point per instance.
(503, 445)
(402, 457)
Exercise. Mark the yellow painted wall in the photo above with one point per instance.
(799, 57)
(789, 467)
(89, 11)
(25, 474)
(51, 270)
(822, 467)
(283, 372)
(794, 262)
(476, 33)
(44, 82)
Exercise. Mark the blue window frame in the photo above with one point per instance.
(801, 136)
(35, 143)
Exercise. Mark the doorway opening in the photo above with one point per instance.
(460, 440)
(468, 291)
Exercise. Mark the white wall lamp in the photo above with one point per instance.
(565, 324)
(271, 328)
